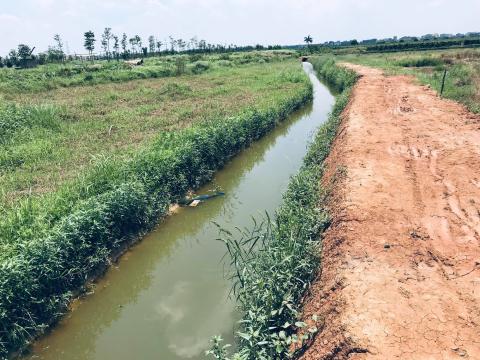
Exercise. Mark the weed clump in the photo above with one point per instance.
(420, 62)
(200, 67)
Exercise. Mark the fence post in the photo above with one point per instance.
(443, 81)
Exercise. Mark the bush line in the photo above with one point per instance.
(52, 246)
(275, 263)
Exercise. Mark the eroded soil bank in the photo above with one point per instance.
(401, 262)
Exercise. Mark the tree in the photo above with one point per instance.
(151, 43)
(106, 36)
(159, 47)
(59, 46)
(116, 45)
(132, 44)
(173, 43)
(181, 45)
(194, 42)
(136, 44)
(24, 51)
(89, 42)
(59, 42)
(53, 54)
(124, 43)
(308, 40)
(12, 57)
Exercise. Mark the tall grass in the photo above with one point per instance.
(420, 62)
(50, 246)
(462, 83)
(338, 78)
(22, 124)
(16, 121)
(274, 262)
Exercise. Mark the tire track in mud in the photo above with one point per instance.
(401, 262)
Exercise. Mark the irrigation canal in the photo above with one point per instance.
(167, 296)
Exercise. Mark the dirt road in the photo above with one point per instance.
(401, 262)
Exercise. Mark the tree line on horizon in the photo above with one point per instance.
(114, 46)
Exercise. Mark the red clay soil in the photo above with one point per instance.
(401, 262)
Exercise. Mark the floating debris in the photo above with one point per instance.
(194, 201)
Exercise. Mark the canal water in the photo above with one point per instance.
(168, 296)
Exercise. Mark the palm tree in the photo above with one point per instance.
(308, 40)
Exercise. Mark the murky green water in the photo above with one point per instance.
(168, 296)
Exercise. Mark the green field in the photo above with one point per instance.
(50, 137)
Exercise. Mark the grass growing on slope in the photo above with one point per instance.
(463, 71)
(274, 263)
(51, 244)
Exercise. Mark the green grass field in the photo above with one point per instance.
(52, 136)
(85, 73)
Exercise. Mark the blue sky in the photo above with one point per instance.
(34, 22)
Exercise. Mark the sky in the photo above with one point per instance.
(241, 22)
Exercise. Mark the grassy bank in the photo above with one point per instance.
(51, 243)
(462, 82)
(275, 262)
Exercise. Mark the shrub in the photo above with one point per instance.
(200, 67)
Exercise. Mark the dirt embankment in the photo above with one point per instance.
(401, 262)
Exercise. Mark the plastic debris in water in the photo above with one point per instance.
(198, 199)
(194, 203)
